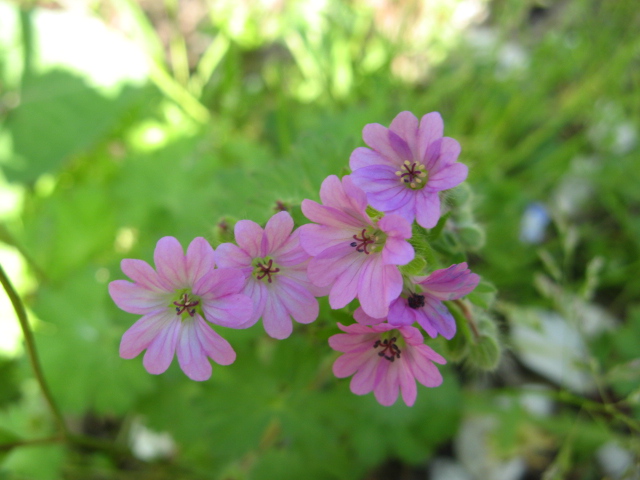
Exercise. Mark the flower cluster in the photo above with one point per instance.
(360, 239)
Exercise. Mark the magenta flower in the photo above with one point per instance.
(353, 254)
(407, 165)
(423, 302)
(385, 359)
(276, 269)
(174, 302)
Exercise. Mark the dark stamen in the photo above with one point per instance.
(267, 271)
(390, 350)
(415, 301)
(186, 305)
(363, 242)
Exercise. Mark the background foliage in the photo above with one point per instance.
(122, 121)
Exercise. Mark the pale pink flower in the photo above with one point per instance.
(386, 360)
(355, 255)
(174, 302)
(407, 165)
(422, 303)
(275, 266)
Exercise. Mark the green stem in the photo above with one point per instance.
(31, 350)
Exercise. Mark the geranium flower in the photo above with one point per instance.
(386, 360)
(276, 269)
(422, 303)
(354, 254)
(174, 302)
(407, 165)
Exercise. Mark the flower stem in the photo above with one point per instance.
(468, 315)
(31, 350)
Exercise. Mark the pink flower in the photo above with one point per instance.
(423, 302)
(353, 254)
(407, 165)
(174, 302)
(385, 359)
(276, 269)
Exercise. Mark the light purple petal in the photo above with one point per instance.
(140, 335)
(353, 342)
(141, 272)
(400, 313)
(449, 283)
(377, 178)
(248, 236)
(275, 318)
(379, 285)
(257, 291)
(330, 216)
(213, 345)
(405, 125)
(170, 262)
(439, 316)
(364, 157)
(329, 264)
(191, 357)
(428, 210)
(228, 255)
(377, 137)
(431, 129)
(420, 360)
(387, 388)
(302, 306)
(277, 231)
(449, 177)
(448, 152)
(134, 298)
(407, 385)
(314, 239)
(200, 259)
(219, 283)
(363, 319)
(291, 252)
(161, 350)
(345, 286)
(348, 364)
(365, 378)
(233, 311)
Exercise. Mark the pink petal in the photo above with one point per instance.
(134, 298)
(191, 356)
(330, 216)
(439, 316)
(219, 283)
(431, 129)
(233, 311)
(379, 285)
(275, 318)
(302, 306)
(353, 342)
(170, 262)
(200, 259)
(365, 378)
(407, 385)
(449, 283)
(400, 313)
(324, 268)
(141, 272)
(364, 157)
(315, 239)
(447, 153)
(248, 236)
(428, 210)
(343, 195)
(420, 361)
(291, 252)
(257, 291)
(277, 231)
(449, 177)
(377, 178)
(400, 147)
(377, 137)
(348, 364)
(161, 350)
(140, 335)
(362, 318)
(345, 286)
(387, 388)
(213, 345)
(228, 255)
(405, 125)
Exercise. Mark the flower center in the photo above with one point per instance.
(415, 300)
(363, 241)
(388, 348)
(264, 269)
(186, 304)
(412, 174)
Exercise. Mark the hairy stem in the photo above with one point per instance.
(31, 350)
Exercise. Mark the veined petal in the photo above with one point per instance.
(362, 318)
(388, 386)
(405, 125)
(228, 255)
(170, 262)
(302, 306)
(134, 298)
(364, 380)
(377, 137)
(275, 318)
(219, 283)
(407, 385)
(348, 364)
(232, 311)
(449, 150)
(141, 272)
(140, 335)
(420, 361)
(395, 226)
(213, 345)
(277, 231)
(400, 313)
(191, 356)
(449, 177)
(200, 259)
(351, 343)
(400, 147)
(248, 236)
(374, 287)
(440, 317)
(162, 348)
(428, 210)
(330, 216)
(364, 157)
(431, 129)
(315, 239)
(329, 264)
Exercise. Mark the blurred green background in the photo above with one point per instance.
(122, 121)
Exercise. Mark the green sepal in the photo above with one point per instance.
(459, 195)
(471, 236)
(414, 267)
(484, 353)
